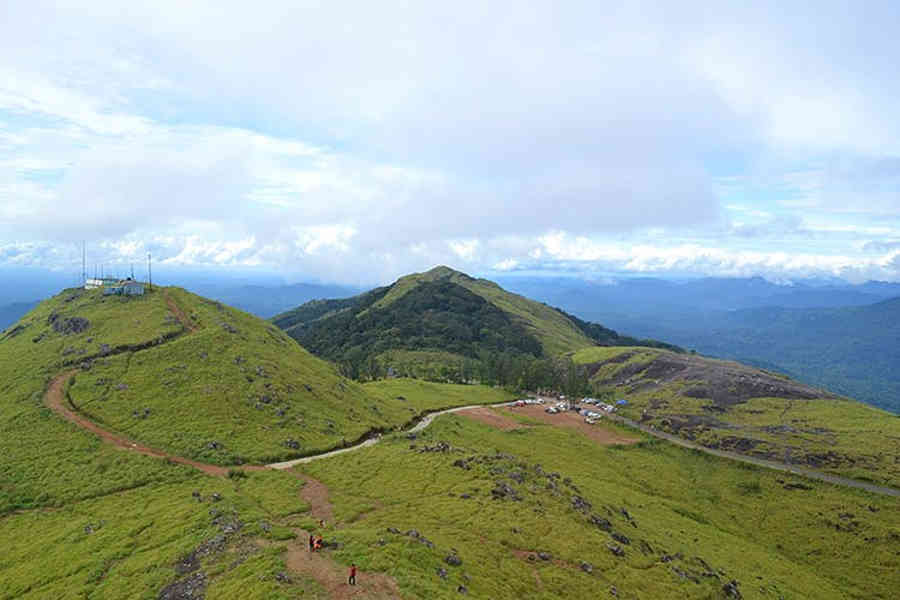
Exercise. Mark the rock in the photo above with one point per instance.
(413, 533)
(502, 491)
(382, 542)
(308, 387)
(587, 567)
(214, 445)
(620, 538)
(453, 560)
(216, 497)
(580, 504)
(411, 436)
(462, 589)
(442, 573)
(517, 476)
(122, 387)
(545, 556)
(228, 327)
(616, 549)
(439, 447)
(614, 591)
(393, 530)
(462, 464)
(265, 526)
(465, 496)
(532, 557)
(292, 444)
(600, 522)
(282, 577)
(70, 326)
(731, 589)
(185, 589)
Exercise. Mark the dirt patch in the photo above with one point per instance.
(493, 418)
(179, 314)
(316, 494)
(572, 420)
(333, 577)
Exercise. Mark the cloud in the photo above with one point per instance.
(361, 140)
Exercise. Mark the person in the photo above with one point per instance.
(322, 523)
(311, 542)
(317, 545)
(352, 578)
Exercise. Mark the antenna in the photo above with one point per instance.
(83, 263)
(132, 271)
(149, 272)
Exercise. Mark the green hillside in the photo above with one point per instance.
(461, 508)
(425, 321)
(730, 406)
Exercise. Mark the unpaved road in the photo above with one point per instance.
(55, 399)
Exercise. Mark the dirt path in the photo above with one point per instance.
(333, 577)
(179, 314)
(55, 398)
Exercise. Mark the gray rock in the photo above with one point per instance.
(453, 560)
(545, 556)
(621, 538)
(616, 549)
(442, 573)
(731, 590)
(462, 589)
(587, 567)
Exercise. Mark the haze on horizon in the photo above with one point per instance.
(356, 142)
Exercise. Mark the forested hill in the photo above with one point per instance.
(441, 312)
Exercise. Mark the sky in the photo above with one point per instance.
(353, 142)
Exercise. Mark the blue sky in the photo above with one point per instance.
(354, 142)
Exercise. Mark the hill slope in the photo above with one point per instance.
(440, 311)
(730, 406)
(178, 373)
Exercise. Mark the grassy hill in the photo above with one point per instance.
(727, 405)
(228, 389)
(438, 317)
(534, 511)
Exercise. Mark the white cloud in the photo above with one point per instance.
(358, 142)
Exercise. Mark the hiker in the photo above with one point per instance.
(311, 542)
(352, 579)
(317, 545)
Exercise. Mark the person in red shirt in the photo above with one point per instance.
(352, 579)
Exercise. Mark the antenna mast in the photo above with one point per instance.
(83, 263)
(149, 272)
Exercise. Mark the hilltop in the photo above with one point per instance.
(730, 406)
(442, 316)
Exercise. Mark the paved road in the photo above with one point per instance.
(769, 464)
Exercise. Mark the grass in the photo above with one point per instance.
(125, 545)
(835, 435)
(711, 514)
(80, 519)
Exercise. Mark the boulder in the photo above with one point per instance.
(453, 560)
(616, 549)
(587, 567)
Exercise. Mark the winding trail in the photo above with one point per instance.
(55, 399)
